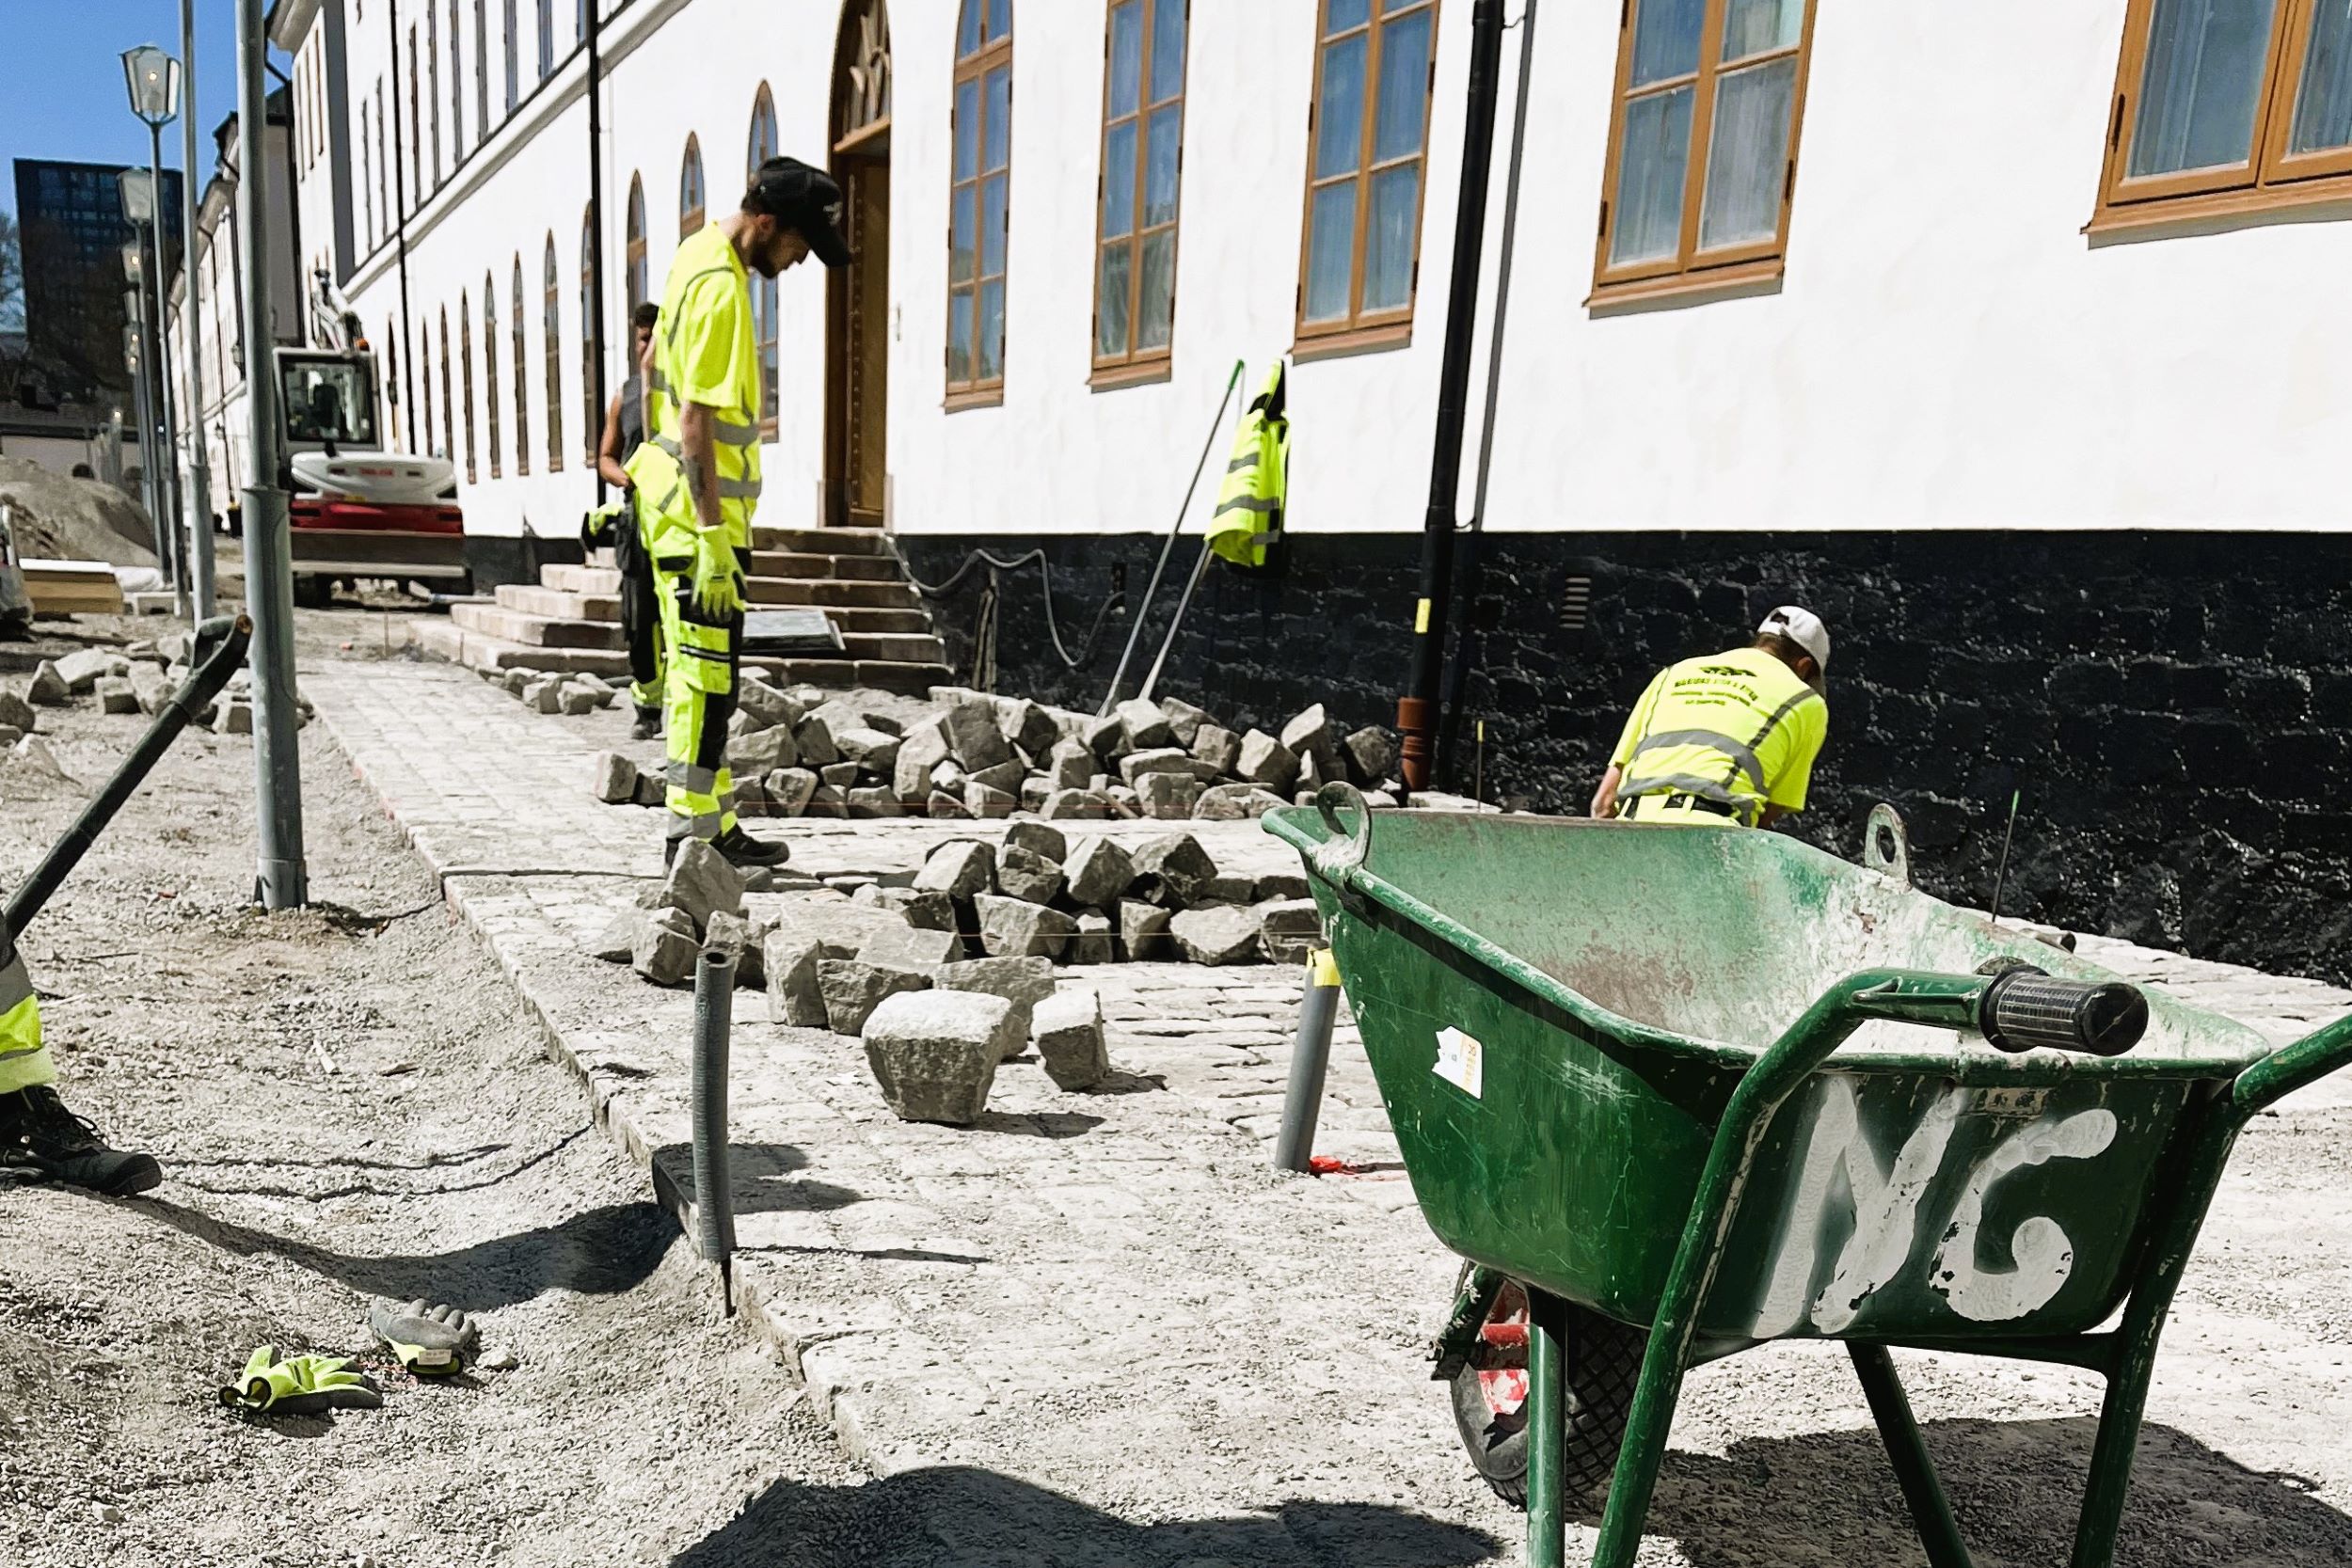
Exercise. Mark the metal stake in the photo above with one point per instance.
(199, 521)
(1295, 1144)
(282, 880)
(714, 1184)
(2001, 875)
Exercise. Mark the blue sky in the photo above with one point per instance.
(61, 93)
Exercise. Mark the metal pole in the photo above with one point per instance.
(176, 567)
(1417, 710)
(714, 1184)
(282, 877)
(147, 443)
(1295, 1144)
(199, 518)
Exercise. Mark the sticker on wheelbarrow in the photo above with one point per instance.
(1462, 1062)
(1882, 1198)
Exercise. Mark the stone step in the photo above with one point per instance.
(558, 604)
(600, 581)
(784, 564)
(477, 650)
(831, 591)
(515, 625)
(893, 648)
(821, 541)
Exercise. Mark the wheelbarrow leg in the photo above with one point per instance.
(1907, 1451)
(1547, 1433)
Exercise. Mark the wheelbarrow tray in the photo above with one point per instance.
(1558, 1011)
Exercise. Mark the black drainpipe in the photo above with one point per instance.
(400, 228)
(1416, 713)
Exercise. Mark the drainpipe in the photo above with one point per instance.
(399, 224)
(1416, 713)
(593, 326)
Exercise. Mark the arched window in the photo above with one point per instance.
(981, 181)
(762, 147)
(449, 403)
(591, 416)
(691, 198)
(491, 369)
(553, 326)
(522, 377)
(465, 357)
(636, 252)
(1143, 127)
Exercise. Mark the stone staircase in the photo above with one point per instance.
(571, 619)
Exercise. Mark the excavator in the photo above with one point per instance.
(360, 513)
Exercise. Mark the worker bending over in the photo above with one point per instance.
(698, 476)
(1729, 738)
(39, 1135)
(641, 614)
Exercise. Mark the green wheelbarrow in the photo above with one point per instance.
(1674, 1092)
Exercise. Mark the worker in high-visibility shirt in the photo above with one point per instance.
(39, 1136)
(641, 614)
(1727, 739)
(697, 476)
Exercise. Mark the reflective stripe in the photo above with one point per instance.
(739, 489)
(1742, 757)
(703, 825)
(1247, 503)
(1778, 713)
(16, 987)
(726, 433)
(657, 382)
(715, 656)
(1690, 783)
(693, 779)
(1238, 464)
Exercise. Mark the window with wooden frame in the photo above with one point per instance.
(456, 91)
(760, 147)
(490, 368)
(591, 416)
(1143, 134)
(449, 403)
(1376, 67)
(433, 89)
(691, 196)
(391, 380)
(635, 253)
(2224, 107)
(978, 216)
(424, 378)
(513, 62)
(547, 39)
(522, 375)
(1702, 165)
(465, 357)
(552, 327)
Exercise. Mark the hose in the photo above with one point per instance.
(714, 1185)
(1084, 657)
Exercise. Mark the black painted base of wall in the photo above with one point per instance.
(2175, 707)
(497, 560)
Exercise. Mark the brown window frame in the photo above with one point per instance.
(1361, 329)
(994, 53)
(465, 355)
(2270, 179)
(759, 145)
(551, 355)
(634, 278)
(1136, 364)
(448, 401)
(694, 190)
(491, 369)
(592, 417)
(1691, 270)
(520, 332)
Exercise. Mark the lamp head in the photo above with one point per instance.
(153, 80)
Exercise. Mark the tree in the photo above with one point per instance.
(11, 277)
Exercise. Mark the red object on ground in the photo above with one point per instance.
(1325, 1165)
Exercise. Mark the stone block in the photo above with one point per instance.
(1311, 733)
(1289, 929)
(875, 802)
(1014, 927)
(1039, 839)
(1125, 802)
(788, 789)
(1022, 981)
(1098, 871)
(1025, 874)
(1070, 763)
(920, 949)
(1221, 889)
(1170, 871)
(1279, 884)
(1134, 766)
(152, 686)
(1035, 790)
(948, 775)
(873, 749)
(841, 775)
(852, 989)
(935, 1054)
(233, 716)
(1310, 775)
(1093, 943)
(1183, 719)
(949, 807)
(920, 750)
(47, 688)
(80, 668)
(1004, 776)
(666, 948)
(973, 737)
(959, 868)
(31, 752)
(733, 935)
(1221, 934)
(545, 696)
(826, 800)
(1371, 756)
(1217, 747)
(1169, 796)
(701, 883)
(617, 942)
(1075, 805)
(986, 800)
(577, 700)
(652, 789)
(1234, 802)
(1106, 737)
(1068, 1029)
(790, 961)
(932, 911)
(765, 704)
(612, 779)
(116, 694)
(1267, 762)
(760, 753)
(813, 742)
(1027, 725)
(1142, 725)
(15, 712)
(1142, 930)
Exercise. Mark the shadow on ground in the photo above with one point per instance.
(760, 1176)
(1830, 1500)
(598, 1251)
(956, 1517)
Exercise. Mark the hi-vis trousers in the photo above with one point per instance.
(23, 1060)
(705, 659)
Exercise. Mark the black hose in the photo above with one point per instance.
(714, 1187)
(1084, 657)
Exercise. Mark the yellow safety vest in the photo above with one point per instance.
(1249, 515)
(1738, 729)
(704, 353)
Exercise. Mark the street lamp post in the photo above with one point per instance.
(199, 515)
(152, 78)
(134, 359)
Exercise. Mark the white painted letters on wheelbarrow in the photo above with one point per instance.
(1882, 1200)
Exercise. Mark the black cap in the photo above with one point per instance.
(806, 200)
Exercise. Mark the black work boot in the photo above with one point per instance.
(39, 1135)
(648, 726)
(746, 853)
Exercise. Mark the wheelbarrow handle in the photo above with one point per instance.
(2323, 1050)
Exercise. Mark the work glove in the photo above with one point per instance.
(600, 527)
(717, 579)
(430, 1340)
(300, 1385)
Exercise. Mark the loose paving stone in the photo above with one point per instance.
(959, 868)
(852, 989)
(1093, 943)
(234, 717)
(1039, 838)
(614, 780)
(666, 947)
(1014, 927)
(1005, 776)
(1027, 725)
(788, 790)
(765, 705)
(922, 749)
(813, 742)
(1265, 761)
(732, 934)
(987, 801)
(15, 712)
(1106, 737)
(841, 775)
(1183, 719)
(700, 882)
(1074, 805)
(617, 942)
(1068, 1030)
(154, 689)
(1289, 929)
(826, 800)
(1022, 981)
(928, 911)
(81, 669)
(577, 700)
(935, 1054)
(875, 802)
(1025, 874)
(1070, 763)
(920, 949)
(1311, 733)
(873, 749)
(1098, 871)
(1142, 725)
(973, 737)
(116, 694)
(1169, 796)
(1221, 889)
(1234, 802)
(947, 807)
(1372, 755)
(1170, 871)
(790, 961)
(1221, 934)
(1142, 930)
(1217, 748)
(762, 751)
(652, 789)
(1160, 759)
(1279, 884)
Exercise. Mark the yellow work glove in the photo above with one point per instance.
(717, 579)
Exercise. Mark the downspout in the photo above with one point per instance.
(594, 325)
(294, 211)
(400, 225)
(1416, 713)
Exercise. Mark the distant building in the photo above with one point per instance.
(71, 228)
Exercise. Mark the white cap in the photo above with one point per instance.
(1803, 628)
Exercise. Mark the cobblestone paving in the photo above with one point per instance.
(1111, 1295)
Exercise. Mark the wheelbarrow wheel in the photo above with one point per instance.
(1490, 1395)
